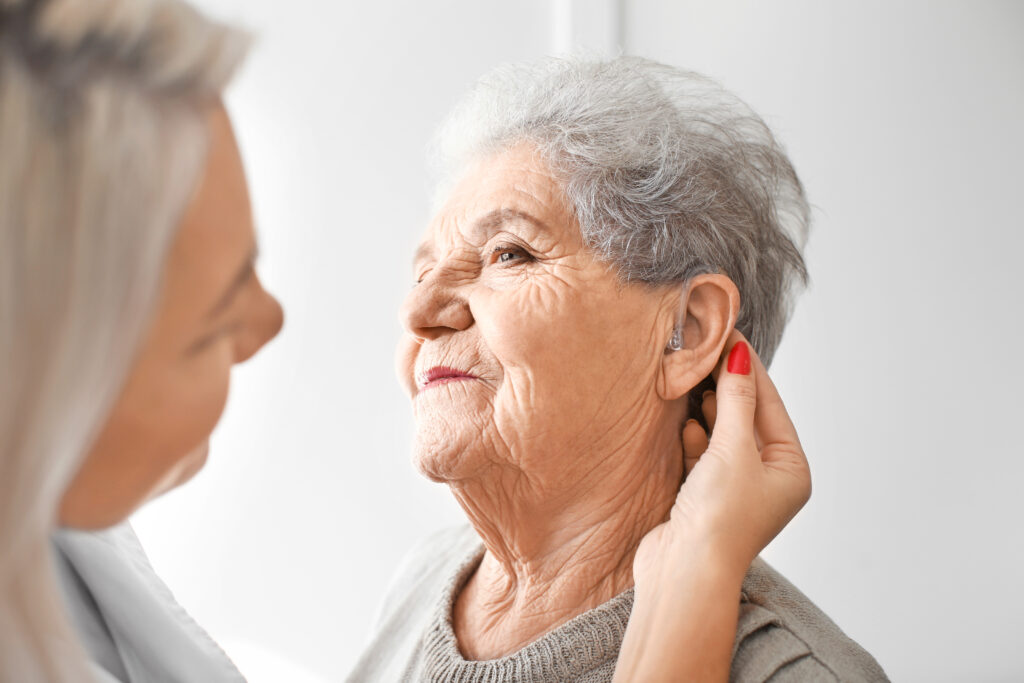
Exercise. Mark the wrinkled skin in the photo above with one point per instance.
(213, 314)
(564, 445)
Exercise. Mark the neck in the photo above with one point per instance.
(554, 552)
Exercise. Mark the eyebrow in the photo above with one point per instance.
(484, 227)
(241, 277)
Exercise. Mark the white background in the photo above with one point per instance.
(901, 367)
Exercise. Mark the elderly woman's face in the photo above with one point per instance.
(524, 350)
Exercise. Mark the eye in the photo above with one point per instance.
(510, 254)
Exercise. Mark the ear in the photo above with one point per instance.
(708, 314)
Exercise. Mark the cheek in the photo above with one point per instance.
(561, 345)
(539, 335)
(191, 402)
(181, 410)
(159, 422)
(541, 332)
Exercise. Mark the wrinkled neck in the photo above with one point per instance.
(591, 530)
(559, 547)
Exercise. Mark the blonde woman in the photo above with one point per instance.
(127, 292)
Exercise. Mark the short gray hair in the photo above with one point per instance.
(670, 175)
(103, 134)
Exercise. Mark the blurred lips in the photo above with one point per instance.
(439, 375)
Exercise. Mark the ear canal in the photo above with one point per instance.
(675, 343)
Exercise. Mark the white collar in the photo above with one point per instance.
(154, 636)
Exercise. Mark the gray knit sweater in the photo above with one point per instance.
(781, 635)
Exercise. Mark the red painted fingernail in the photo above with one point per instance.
(739, 359)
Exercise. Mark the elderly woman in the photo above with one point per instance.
(603, 228)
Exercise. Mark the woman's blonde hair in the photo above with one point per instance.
(103, 107)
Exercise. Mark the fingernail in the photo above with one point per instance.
(739, 359)
(704, 396)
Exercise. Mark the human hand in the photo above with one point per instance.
(742, 486)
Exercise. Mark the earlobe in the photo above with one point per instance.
(708, 312)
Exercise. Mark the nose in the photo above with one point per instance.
(265, 322)
(434, 307)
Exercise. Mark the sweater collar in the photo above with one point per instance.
(571, 650)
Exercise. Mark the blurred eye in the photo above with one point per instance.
(211, 339)
(204, 343)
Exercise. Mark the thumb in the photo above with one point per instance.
(736, 396)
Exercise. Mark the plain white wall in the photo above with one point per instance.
(900, 366)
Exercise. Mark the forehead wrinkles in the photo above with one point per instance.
(445, 243)
(505, 192)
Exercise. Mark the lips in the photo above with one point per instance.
(440, 374)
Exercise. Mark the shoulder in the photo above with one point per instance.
(437, 554)
(127, 617)
(783, 636)
(427, 566)
(416, 591)
(449, 542)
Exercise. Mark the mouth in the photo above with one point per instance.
(439, 375)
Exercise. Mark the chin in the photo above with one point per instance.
(444, 458)
(183, 471)
(451, 434)
(427, 468)
(437, 463)
(191, 465)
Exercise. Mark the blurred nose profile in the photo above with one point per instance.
(265, 321)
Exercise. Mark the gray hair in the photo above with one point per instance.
(670, 175)
(103, 132)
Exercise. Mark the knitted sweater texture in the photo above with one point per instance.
(781, 635)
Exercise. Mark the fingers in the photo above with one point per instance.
(775, 436)
(695, 442)
(709, 406)
(736, 398)
(772, 422)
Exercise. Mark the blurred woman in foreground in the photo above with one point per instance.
(127, 293)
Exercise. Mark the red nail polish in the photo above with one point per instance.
(739, 359)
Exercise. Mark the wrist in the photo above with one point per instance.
(686, 559)
(690, 594)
